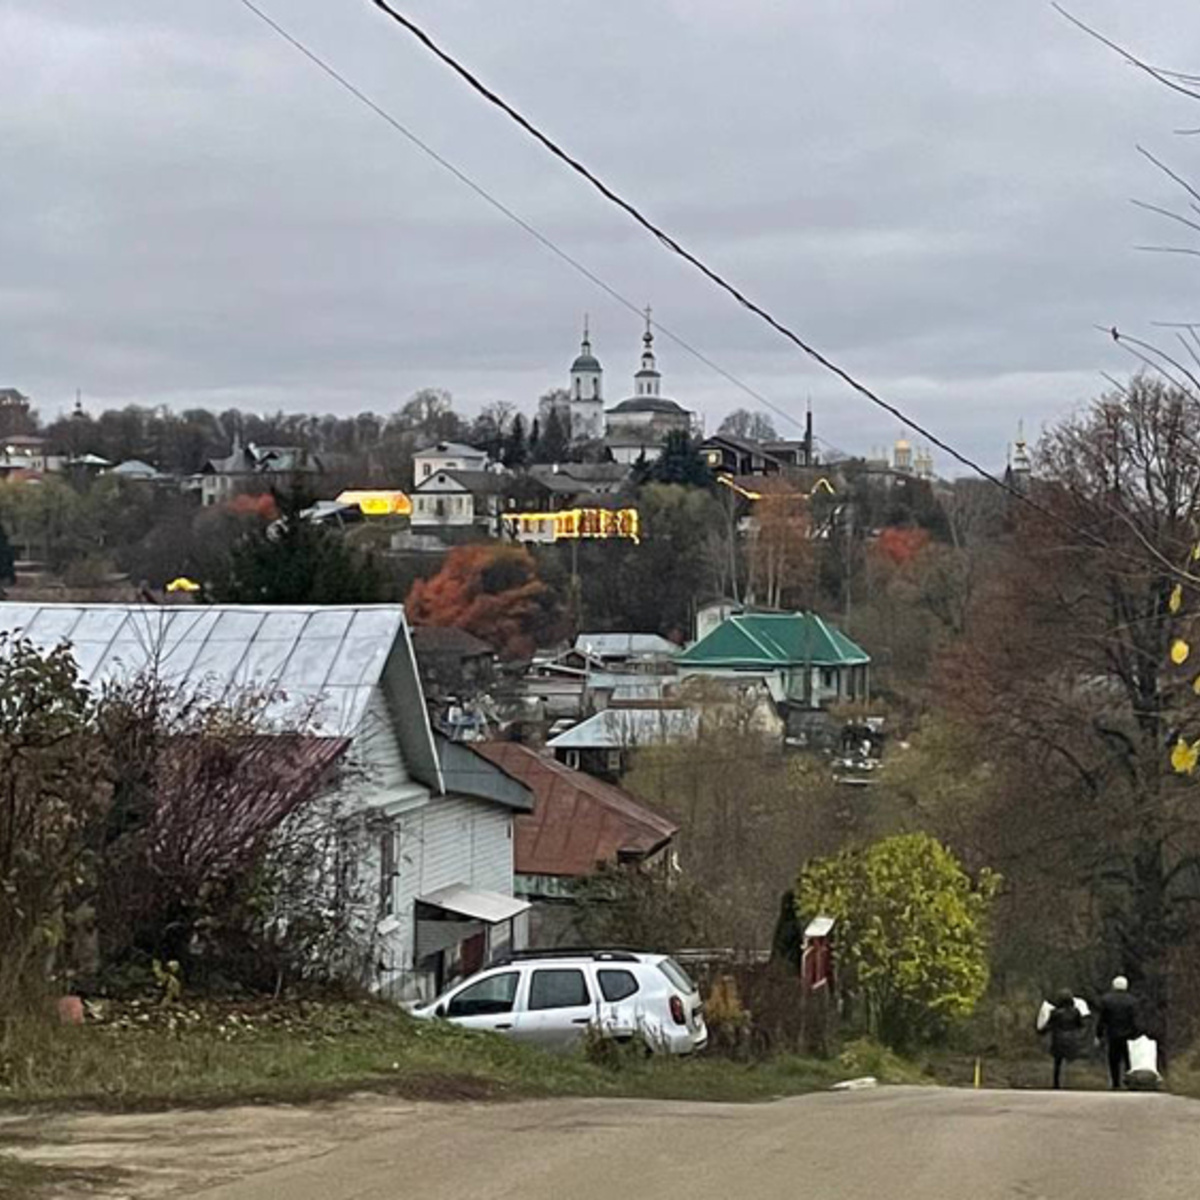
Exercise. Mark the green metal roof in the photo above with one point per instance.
(774, 640)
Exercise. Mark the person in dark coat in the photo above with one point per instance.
(1118, 1025)
(1065, 1027)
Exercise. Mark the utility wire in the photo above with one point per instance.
(714, 277)
(662, 237)
(515, 217)
(678, 249)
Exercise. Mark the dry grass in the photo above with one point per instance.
(21, 1180)
(151, 1057)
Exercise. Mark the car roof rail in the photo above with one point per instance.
(606, 954)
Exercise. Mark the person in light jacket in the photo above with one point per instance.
(1064, 1023)
(1118, 1025)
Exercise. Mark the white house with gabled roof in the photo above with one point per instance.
(447, 456)
(439, 869)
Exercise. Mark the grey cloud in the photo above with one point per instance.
(935, 193)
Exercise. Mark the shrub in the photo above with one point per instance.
(53, 792)
(911, 937)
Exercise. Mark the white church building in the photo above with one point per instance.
(637, 426)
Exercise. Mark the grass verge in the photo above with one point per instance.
(22, 1180)
(150, 1057)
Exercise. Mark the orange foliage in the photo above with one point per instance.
(901, 544)
(262, 506)
(492, 592)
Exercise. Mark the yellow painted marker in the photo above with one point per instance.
(978, 1074)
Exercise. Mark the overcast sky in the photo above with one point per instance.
(934, 192)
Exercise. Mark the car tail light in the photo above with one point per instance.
(677, 1013)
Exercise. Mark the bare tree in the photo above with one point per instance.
(743, 423)
(1067, 673)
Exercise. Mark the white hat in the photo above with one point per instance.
(1120, 984)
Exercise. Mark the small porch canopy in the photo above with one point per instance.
(459, 929)
(489, 907)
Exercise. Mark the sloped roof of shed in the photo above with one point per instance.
(578, 822)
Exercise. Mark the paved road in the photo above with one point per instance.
(894, 1144)
(890, 1144)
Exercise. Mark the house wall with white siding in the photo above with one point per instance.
(380, 777)
(448, 840)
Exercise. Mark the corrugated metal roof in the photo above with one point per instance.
(630, 685)
(271, 777)
(578, 822)
(468, 773)
(444, 449)
(775, 640)
(624, 728)
(478, 905)
(448, 639)
(624, 645)
(320, 662)
(478, 483)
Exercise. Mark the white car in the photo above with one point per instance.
(550, 998)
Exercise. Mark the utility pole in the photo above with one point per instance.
(576, 605)
(848, 525)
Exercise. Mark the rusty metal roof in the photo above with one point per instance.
(577, 822)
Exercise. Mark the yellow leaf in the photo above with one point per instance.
(1196, 552)
(1180, 651)
(1185, 757)
(1176, 601)
(1196, 685)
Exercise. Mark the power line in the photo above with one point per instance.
(679, 250)
(513, 216)
(674, 246)
(663, 237)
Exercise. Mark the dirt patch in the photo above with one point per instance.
(151, 1157)
(442, 1088)
(26, 1180)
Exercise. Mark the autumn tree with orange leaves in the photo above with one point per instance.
(493, 592)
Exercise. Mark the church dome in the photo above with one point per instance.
(586, 362)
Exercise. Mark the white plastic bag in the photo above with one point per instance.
(1143, 1064)
(1043, 1017)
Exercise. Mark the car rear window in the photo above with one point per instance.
(677, 975)
(558, 988)
(617, 985)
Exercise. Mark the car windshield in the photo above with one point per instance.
(677, 975)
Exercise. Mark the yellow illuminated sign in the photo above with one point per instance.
(574, 523)
(378, 504)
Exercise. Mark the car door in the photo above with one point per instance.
(486, 1003)
(559, 1006)
(621, 1001)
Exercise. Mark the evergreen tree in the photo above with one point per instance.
(555, 443)
(8, 560)
(787, 943)
(296, 561)
(680, 462)
(516, 448)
